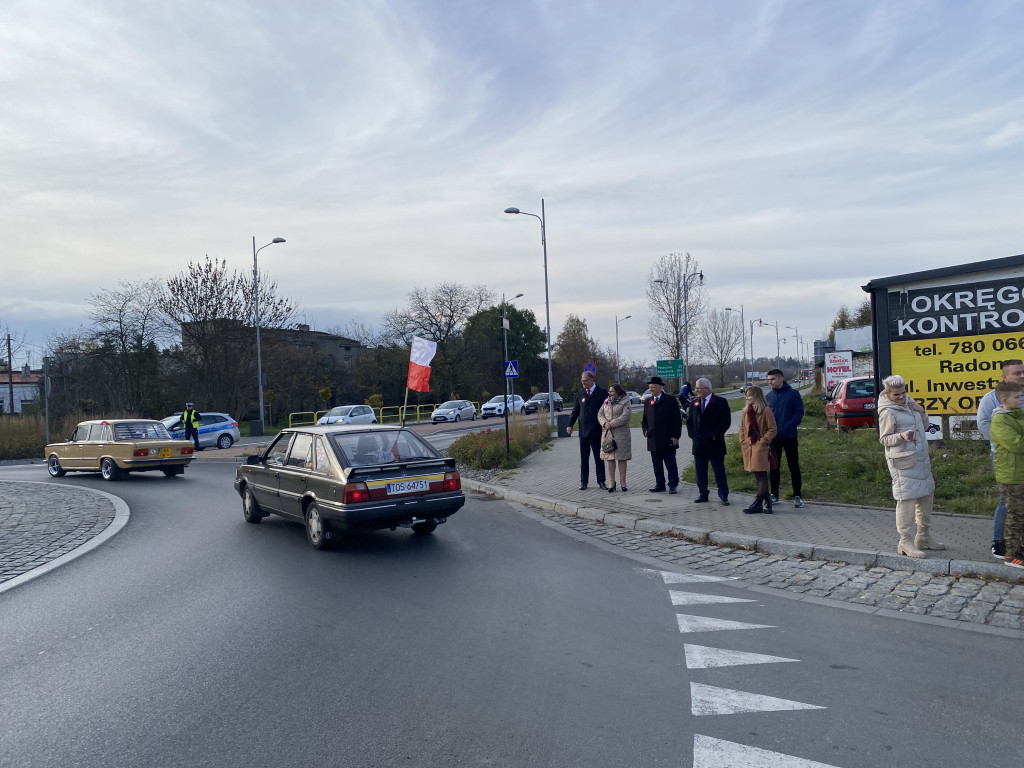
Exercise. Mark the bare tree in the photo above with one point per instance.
(13, 344)
(677, 299)
(720, 339)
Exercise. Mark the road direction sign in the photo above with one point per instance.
(671, 369)
(511, 369)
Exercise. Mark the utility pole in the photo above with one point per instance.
(10, 377)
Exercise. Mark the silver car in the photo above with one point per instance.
(215, 429)
(496, 406)
(349, 414)
(454, 410)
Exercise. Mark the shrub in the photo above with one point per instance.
(486, 450)
(24, 437)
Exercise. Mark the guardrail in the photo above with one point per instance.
(390, 415)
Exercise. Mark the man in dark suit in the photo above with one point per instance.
(662, 425)
(709, 420)
(588, 402)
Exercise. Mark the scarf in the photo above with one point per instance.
(752, 431)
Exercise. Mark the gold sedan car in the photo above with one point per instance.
(115, 447)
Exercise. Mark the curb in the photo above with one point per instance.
(867, 558)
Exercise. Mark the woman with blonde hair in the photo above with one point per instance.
(901, 429)
(757, 428)
(616, 446)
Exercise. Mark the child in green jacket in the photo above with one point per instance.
(1008, 439)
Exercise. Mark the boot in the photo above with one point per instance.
(768, 505)
(923, 540)
(756, 507)
(905, 526)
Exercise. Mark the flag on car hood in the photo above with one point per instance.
(419, 364)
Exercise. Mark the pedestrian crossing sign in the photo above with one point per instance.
(511, 369)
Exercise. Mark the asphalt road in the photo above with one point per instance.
(195, 639)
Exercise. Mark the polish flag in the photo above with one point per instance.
(419, 364)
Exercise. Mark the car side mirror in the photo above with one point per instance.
(252, 460)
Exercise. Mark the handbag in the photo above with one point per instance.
(608, 445)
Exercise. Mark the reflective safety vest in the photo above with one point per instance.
(190, 418)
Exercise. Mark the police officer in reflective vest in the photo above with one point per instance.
(190, 418)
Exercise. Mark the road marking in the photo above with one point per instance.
(705, 657)
(692, 578)
(716, 753)
(709, 700)
(696, 598)
(688, 623)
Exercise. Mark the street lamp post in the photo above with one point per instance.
(743, 342)
(547, 303)
(256, 304)
(618, 374)
(778, 348)
(796, 336)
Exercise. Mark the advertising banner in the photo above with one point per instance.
(838, 365)
(949, 342)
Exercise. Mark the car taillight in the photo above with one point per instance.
(234, 424)
(355, 493)
(142, 452)
(188, 449)
(452, 482)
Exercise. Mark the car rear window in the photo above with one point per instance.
(139, 430)
(860, 389)
(365, 449)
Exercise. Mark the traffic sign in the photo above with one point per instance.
(511, 369)
(590, 368)
(671, 369)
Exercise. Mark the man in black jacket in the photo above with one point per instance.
(588, 402)
(662, 425)
(709, 420)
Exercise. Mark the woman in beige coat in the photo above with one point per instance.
(757, 428)
(614, 419)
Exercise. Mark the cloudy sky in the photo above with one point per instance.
(796, 149)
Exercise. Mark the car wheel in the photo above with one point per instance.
(316, 527)
(173, 471)
(54, 468)
(250, 509)
(422, 529)
(374, 421)
(225, 441)
(109, 470)
(457, 418)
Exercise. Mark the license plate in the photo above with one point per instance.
(165, 453)
(869, 406)
(408, 486)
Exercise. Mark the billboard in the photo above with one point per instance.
(857, 339)
(947, 332)
(838, 365)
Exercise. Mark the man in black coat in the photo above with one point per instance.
(709, 420)
(588, 402)
(662, 425)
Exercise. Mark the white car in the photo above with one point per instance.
(215, 429)
(496, 406)
(349, 414)
(454, 410)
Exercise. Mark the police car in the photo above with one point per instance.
(215, 429)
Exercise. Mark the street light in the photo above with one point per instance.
(796, 336)
(778, 349)
(547, 302)
(684, 285)
(618, 375)
(256, 303)
(743, 342)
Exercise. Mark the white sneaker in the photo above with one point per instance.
(797, 501)
(774, 498)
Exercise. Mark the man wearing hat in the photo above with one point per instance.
(662, 425)
(190, 418)
(707, 423)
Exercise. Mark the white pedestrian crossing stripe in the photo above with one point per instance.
(716, 753)
(696, 598)
(709, 700)
(705, 657)
(688, 623)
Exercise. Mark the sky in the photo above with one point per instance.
(796, 150)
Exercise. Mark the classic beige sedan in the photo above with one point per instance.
(115, 447)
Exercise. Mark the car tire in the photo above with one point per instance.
(225, 441)
(374, 421)
(474, 416)
(173, 471)
(250, 508)
(317, 529)
(457, 418)
(423, 529)
(54, 468)
(109, 470)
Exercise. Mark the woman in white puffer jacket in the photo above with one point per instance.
(901, 429)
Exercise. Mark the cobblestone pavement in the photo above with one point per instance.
(40, 522)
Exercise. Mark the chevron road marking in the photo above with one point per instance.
(716, 753)
(688, 623)
(706, 657)
(709, 700)
(696, 598)
(692, 578)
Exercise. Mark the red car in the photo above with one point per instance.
(851, 403)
